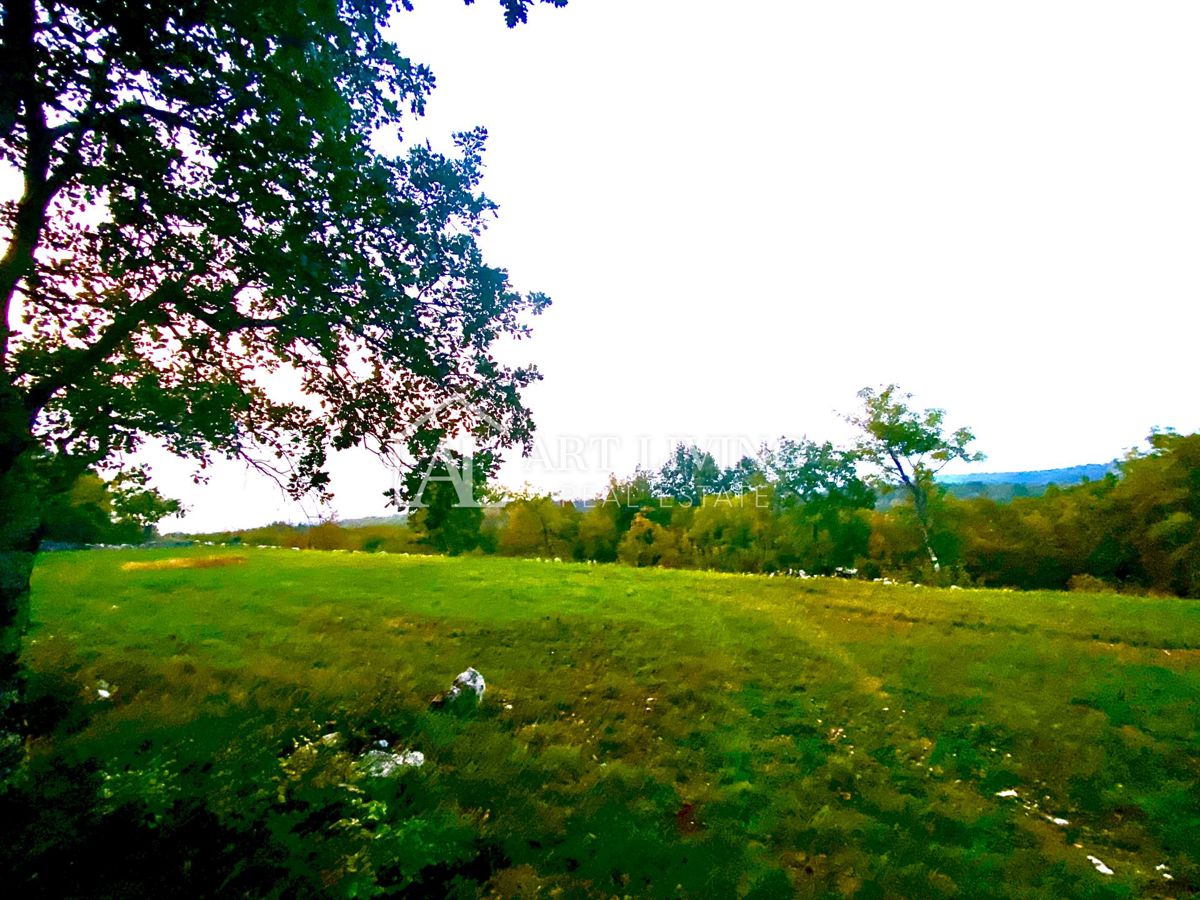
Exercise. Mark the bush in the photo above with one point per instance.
(1089, 584)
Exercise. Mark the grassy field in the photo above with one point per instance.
(644, 733)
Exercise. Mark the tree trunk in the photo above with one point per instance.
(937, 566)
(20, 533)
(921, 506)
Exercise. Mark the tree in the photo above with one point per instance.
(647, 543)
(204, 215)
(908, 447)
(598, 534)
(733, 534)
(688, 475)
(816, 474)
(1157, 511)
(537, 524)
(818, 494)
(742, 477)
(95, 511)
(443, 523)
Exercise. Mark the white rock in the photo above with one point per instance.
(470, 680)
(1100, 866)
(383, 764)
(103, 694)
(1006, 793)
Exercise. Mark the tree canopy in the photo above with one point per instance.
(204, 208)
(209, 249)
(908, 446)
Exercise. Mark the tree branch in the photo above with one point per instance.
(77, 362)
(35, 199)
(90, 120)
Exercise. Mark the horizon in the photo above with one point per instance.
(393, 515)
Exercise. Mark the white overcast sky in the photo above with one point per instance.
(746, 212)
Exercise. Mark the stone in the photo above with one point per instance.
(385, 763)
(468, 682)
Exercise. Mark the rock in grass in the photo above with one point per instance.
(385, 763)
(467, 685)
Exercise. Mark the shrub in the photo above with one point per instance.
(1089, 584)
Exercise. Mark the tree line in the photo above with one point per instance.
(873, 509)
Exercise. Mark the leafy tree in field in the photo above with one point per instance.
(539, 525)
(818, 494)
(647, 543)
(441, 517)
(908, 447)
(633, 496)
(734, 534)
(328, 536)
(742, 477)
(1157, 507)
(688, 475)
(95, 511)
(810, 473)
(598, 535)
(204, 215)
(135, 505)
(521, 534)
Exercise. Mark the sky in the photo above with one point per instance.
(746, 212)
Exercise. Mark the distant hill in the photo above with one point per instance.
(1005, 486)
(1039, 478)
(369, 521)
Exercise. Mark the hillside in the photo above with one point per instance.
(1005, 486)
(1035, 478)
(644, 732)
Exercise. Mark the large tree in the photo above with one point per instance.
(1156, 512)
(818, 491)
(687, 475)
(908, 447)
(204, 215)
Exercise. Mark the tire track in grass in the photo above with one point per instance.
(1100, 860)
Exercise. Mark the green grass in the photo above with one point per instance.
(644, 733)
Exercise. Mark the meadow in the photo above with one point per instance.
(201, 721)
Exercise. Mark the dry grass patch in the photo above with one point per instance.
(179, 562)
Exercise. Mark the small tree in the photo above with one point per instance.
(818, 494)
(446, 513)
(647, 543)
(537, 524)
(598, 535)
(908, 447)
(94, 511)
